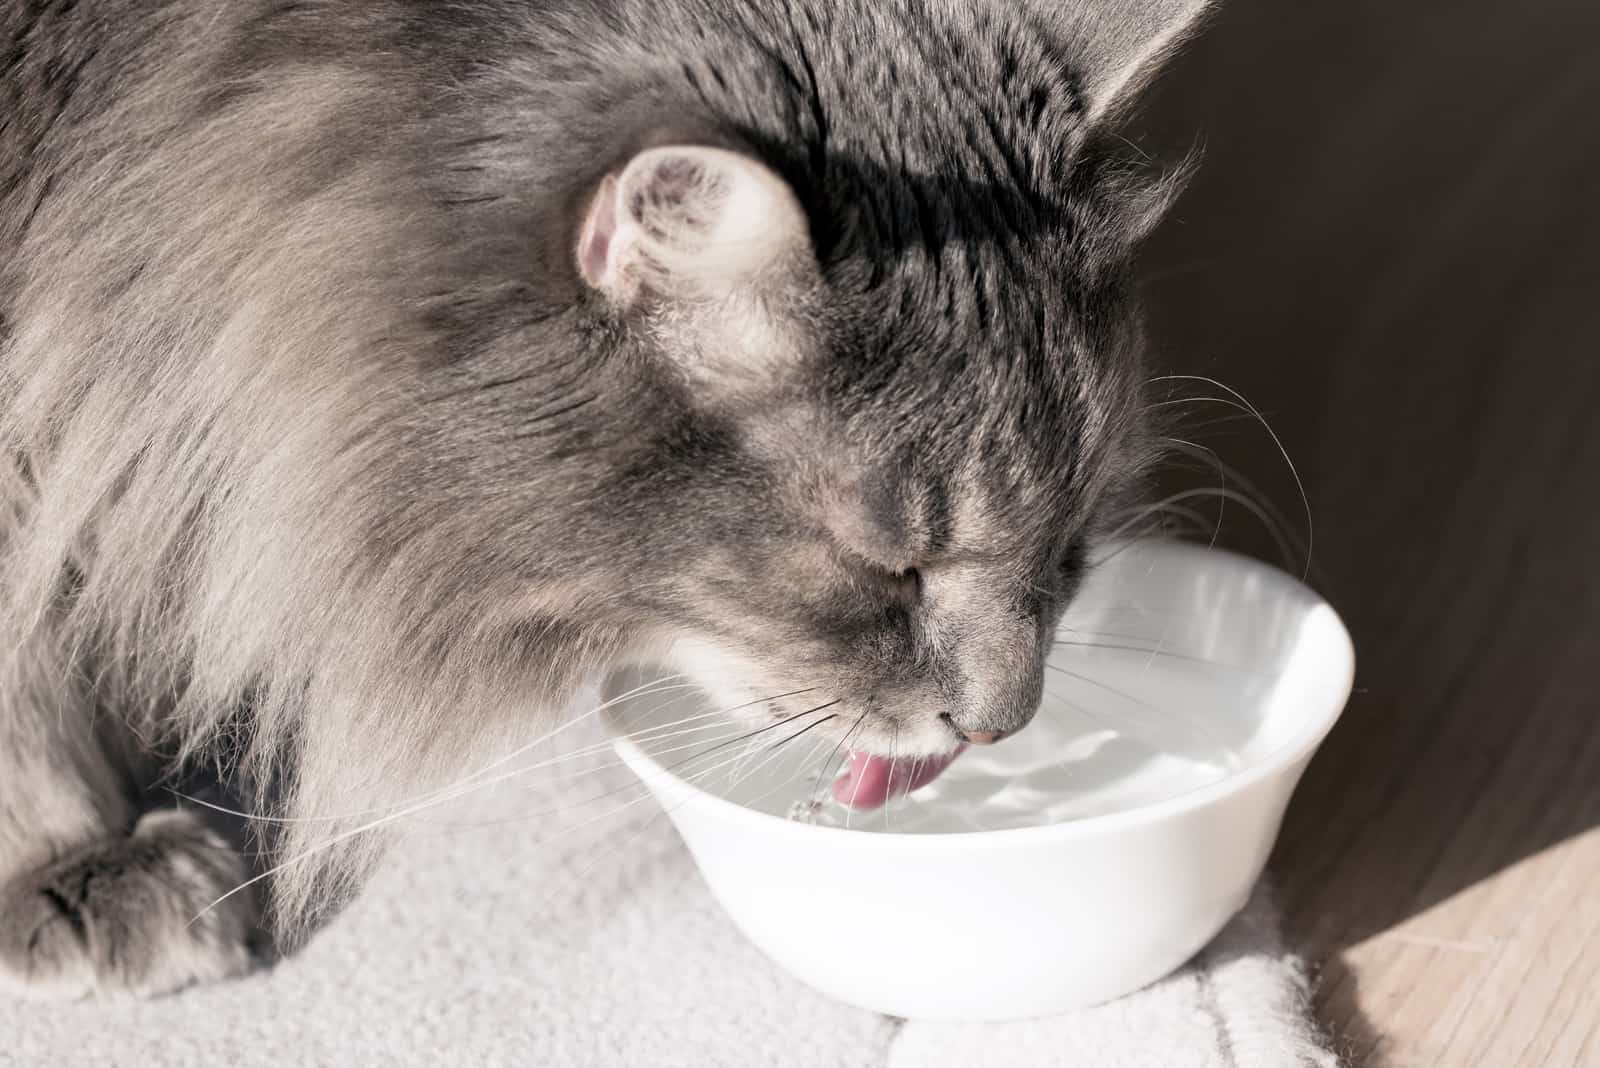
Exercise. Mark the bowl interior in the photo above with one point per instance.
(1176, 669)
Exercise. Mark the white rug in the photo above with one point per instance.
(584, 938)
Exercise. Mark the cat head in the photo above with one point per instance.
(838, 371)
(892, 460)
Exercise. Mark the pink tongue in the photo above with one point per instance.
(871, 780)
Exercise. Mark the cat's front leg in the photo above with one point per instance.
(130, 913)
(96, 898)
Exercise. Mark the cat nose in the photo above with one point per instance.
(976, 737)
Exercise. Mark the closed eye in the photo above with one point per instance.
(903, 585)
(908, 583)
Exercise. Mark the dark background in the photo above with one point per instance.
(1393, 249)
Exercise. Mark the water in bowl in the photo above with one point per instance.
(1117, 728)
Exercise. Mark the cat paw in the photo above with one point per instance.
(129, 915)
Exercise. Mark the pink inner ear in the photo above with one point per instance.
(594, 245)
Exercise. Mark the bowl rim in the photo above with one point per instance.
(1302, 744)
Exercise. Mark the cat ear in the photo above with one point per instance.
(689, 221)
(1116, 46)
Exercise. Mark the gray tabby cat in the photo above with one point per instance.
(373, 372)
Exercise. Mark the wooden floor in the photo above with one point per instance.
(1393, 249)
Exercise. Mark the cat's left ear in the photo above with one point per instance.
(692, 222)
(1116, 46)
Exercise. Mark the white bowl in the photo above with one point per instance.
(1036, 920)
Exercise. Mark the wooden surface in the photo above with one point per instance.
(1393, 249)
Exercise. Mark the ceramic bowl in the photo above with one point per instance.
(1116, 835)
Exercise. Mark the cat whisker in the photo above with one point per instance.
(1284, 527)
(754, 733)
(654, 685)
(1176, 401)
(1305, 500)
(751, 739)
(888, 802)
(803, 730)
(656, 733)
(1219, 492)
(856, 789)
(1141, 512)
(1100, 685)
(839, 748)
(1192, 521)
(1156, 733)
(771, 753)
(1168, 519)
(430, 801)
(793, 776)
(1156, 529)
(698, 776)
(1117, 634)
(718, 743)
(1158, 651)
(664, 811)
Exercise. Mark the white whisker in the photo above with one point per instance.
(841, 751)
(434, 799)
(1305, 500)
(498, 762)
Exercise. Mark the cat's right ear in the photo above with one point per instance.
(1116, 46)
(691, 222)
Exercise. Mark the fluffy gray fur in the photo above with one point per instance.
(326, 462)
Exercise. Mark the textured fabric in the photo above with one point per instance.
(1240, 1004)
(530, 930)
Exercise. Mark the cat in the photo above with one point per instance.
(375, 373)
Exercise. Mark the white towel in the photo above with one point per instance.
(539, 933)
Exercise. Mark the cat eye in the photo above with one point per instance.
(903, 587)
(908, 583)
(902, 584)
